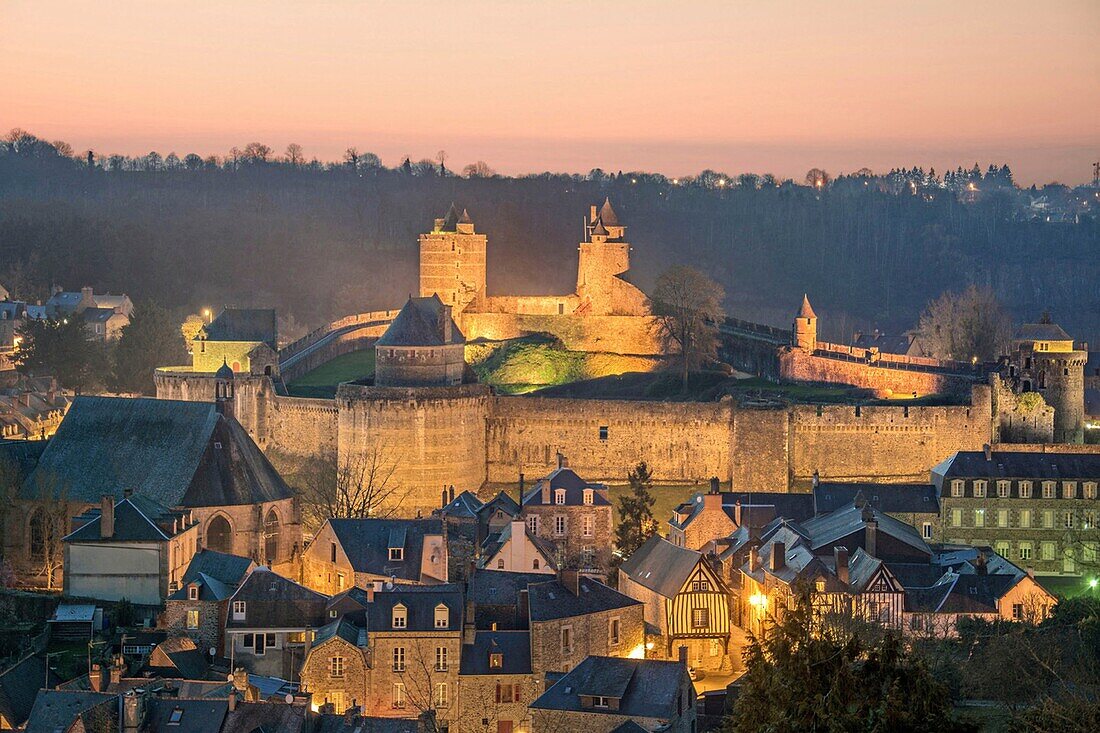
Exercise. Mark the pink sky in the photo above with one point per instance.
(740, 85)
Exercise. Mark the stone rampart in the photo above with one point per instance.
(606, 334)
(898, 379)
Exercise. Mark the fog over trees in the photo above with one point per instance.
(319, 240)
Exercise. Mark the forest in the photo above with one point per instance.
(318, 240)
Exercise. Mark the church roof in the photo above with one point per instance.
(171, 452)
(806, 311)
(420, 323)
(608, 215)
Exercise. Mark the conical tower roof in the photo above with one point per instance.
(806, 311)
(451, 219)
(599, 230)
(608, 215)
(465, 218)
(224, 371)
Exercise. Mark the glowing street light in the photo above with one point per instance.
(206, 314)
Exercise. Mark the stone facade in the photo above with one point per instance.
(207, 629)
(581, 534)
(452, 261)
(588, 635)
(337, 672)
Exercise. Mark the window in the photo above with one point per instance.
(176, 716)
(559, 525)
(1003, 489)
(588, 525)
(926, 530)
(1002, 517)
(336, 667)
(1025, 550)
(1025, 517)
(509, 693)
(1048, 519)
(600, 701)
(533, 524)
(1047, 549)
(442, 616)
(400, 616)
(238, 610)
(1048, 489)
(397, 553)
(441, 696)
(535, 564)
(193, 593)
(956, 517)
(956, 488)
(559, 496)
(1017, 612)
(819, 586)
(700, 618)
(1025, 489)
(1069, 489)
(1002, 548)
(500, 564)
(399, 659)
(332, 552)
(588, 495)
(340, 580)
(192, 618)
(979, 489)
(603, 432)
(700, 585)
(1089, 520)
(496, 660)
(399, 695)
(566, 639)
(247, 641)
(979, 517)
(1068, 520)
(1090, 490)
(441, 659)
(715, 648)
(613, 632)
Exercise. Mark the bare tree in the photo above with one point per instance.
(479, 169)
(688, 306)
(430, 688)
(817, 178)
(294, 154)
(351, 157)
(966, 326)
(256, 153)
(441, 158)
(49, 523)
(356, 487)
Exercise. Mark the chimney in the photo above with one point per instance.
(127, 492)
(451, 494)
(683, 655)
(779, 556)
(232, 701)
(712, 500)
(118, 668)
(816, 480)
(988, 452)
(562, 463)
(523, 608)
(571, 579)
(714, 484)
(737, 513)
(133, 712)
(443, 502)
(370, 593)
(870, 543)
(240, 679)
(97, 678)
(545, 493)
(754, 558)
(980, 564)
(522, 486)
(840, 555)
(591, 214)
(106, 517)
(469, 630)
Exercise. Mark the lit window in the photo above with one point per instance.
(1048, 489)
(1025, 489)
(192, 618)
(956, 517)
(1069, 490)
(1002, 517)
(1090, 490)
(496, 660)
(441, 659)
(193, 592)
(559, 496)
(442, 616)
(1025, 517)
(399, 695)
(926, 530)
(979, 489)
(399, 659)
(588, 525)
(956, 488)
(1047, 548)
(1003, 489)
(979, 517)
(336, 667)
(441, 695)
(400, 616)
(1025, 550)
(600, 701)
(397, 553)
(588, 496)
(1048, 519)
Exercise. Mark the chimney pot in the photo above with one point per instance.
(714, 485)
(988, 452)
(779, 556)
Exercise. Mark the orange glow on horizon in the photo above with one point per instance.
(753, 86)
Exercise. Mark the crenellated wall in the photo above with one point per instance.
(797, 365)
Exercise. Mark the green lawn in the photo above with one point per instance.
(322, 381)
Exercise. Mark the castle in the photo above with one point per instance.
(434, 426)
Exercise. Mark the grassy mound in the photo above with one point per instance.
(322, 381)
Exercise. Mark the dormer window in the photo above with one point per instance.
(397, 553)
(400, 616)
(599, 701)
(588, 496)
(442, 616)
(496, 660)
(193, 592)
(559, 496)
(238, 610)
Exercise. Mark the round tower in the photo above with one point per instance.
(805, 326)
(1046, 360)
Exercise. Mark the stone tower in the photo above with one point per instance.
(1044, 359)
(422, 347)
(603, 257)
(452, 261)
(805, 326)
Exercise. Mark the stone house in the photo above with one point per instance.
(337, 669)
(180, 455)
(200, 608)
(575, 516)
(422, 347)
(347, 552)
(1040, 509)
(715, 514)
(470, 523)
(245, 339)
(104, 325)
(573, 617)
(686, 602)
(917, 505)
(134, 549)
(518, 549)
(496, 682)
(603, 693)
(31, 414)
(270, 625)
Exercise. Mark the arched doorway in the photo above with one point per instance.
(271, 537)
(219, 535)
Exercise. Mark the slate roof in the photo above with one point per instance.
(552, 600)
(494, 543)
(217, 573)
(607, 214)
(344, 628)
(56, 710)
(513, 646)
(465, 504)
(265, 717)
(137, 519)
(97, 315)
(420, 323)
(631, 727)
(275, 602)
(499, 587)
(366, 543)
(661, 566)
(23, 454)
(887, 344)
(503, 501)
(196, 716)
(828, 529)
(244, 324)
(758, 508)
(646, 688)
(956, 593)
(330, 723)
(574, 485)
(450, 219)
(1013, 464)
(419, 602)
(179, 656)
(165, 450)
(19, 685)
(1041, 332)
(806, 310)
(889, 498)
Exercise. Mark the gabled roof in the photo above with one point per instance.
(574, 485)
(465, 504)
(503, 501)
(56, 710)
(137, 519)
(965, 594)
(420, 323)
(267, 717)
(499, 587)
(244, 324)
(217, 573)
(889, 498)
(19, 685)
(806, 311)
(344, 628)
(513, 646)
(366, 542)
(420, 602)
(275, 602)
(178, 656)
(1041, 332)
(552, 600)
(758, 508)
(828, 529)
(646, 688)
(166, 714)
(1018, 464)
(494, 543)
(171, 452)
(661, 566)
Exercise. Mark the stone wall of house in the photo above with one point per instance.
(352, 688)
(591, 637)
(575, 549)
(211, 622)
